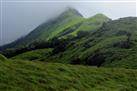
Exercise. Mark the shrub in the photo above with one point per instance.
(81, 34)
(96, 60)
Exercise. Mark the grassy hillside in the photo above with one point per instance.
(91, 24)
(17, 75)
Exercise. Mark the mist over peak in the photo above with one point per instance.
(72, 11)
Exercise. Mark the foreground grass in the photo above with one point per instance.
(17, 75)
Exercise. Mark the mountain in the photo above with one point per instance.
(97, 41)
(112, 45)
(70, 22)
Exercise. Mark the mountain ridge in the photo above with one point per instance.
(54, 27)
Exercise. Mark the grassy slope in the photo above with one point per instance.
(17, 75)
(92, 23)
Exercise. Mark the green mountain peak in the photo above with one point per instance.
(99, 16)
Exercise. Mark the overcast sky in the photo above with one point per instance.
(19, 18)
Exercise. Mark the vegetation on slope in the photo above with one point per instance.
(39, 54)
(90, 24)
(17, 75)
(93, 23)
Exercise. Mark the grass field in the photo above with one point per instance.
(20, 75)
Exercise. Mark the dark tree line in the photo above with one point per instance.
(58, 45)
